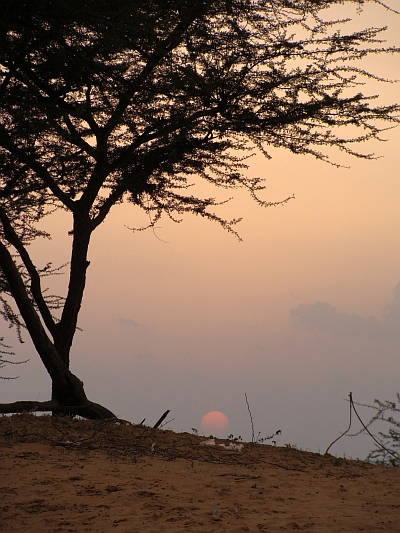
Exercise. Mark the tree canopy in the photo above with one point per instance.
(104, 102)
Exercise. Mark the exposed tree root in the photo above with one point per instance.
(89, 409)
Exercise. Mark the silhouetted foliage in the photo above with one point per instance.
(105, 102)
(386, 415)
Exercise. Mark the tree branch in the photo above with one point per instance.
(36, 290)
(163, 48)
(74, 137)
(34, 165)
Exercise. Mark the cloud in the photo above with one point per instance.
(322, 316)
(127, 322)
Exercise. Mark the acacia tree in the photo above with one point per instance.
(105, 102)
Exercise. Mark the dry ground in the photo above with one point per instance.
(63, 475)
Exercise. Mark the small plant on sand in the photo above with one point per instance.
(234, 439)
(271, 439)
(259, 439)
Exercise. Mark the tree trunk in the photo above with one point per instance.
(68, 394)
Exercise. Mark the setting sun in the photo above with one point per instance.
(214, 423)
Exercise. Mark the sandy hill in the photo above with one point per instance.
(63, 475)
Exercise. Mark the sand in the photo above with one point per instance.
(63, 475)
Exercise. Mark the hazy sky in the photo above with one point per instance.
(303, 311)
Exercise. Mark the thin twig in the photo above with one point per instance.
(347, 430)
(251, 419)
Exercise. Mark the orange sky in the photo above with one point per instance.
(192, 323)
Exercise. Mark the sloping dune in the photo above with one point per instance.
(63, 475)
